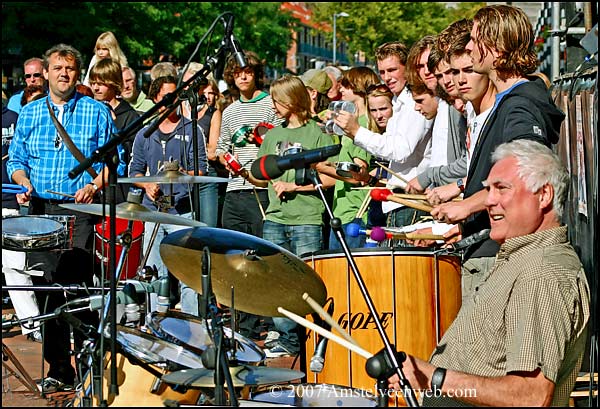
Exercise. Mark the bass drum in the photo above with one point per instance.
(416, 293)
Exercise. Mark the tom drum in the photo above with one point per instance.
(133, 258)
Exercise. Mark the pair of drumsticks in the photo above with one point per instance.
(346, 341)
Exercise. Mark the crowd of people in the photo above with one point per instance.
(459, 118)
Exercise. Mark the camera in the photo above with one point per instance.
(335, 107)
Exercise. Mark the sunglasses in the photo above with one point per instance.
(381, 87)
(34, 75)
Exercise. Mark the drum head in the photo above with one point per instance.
(153, 350)
(190, 331)
(21, 233)
(309, 394)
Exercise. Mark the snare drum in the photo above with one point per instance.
(133, 258)
(37, 233)
(190, 332)
(317, 395)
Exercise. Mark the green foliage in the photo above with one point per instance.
(145, 30)
(370, 24)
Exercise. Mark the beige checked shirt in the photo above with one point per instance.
(530, 313)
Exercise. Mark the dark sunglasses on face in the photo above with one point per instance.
(378, 87)
(34, 75)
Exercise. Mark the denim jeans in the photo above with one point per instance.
(299, 239)
(209, 201)
(352, 242)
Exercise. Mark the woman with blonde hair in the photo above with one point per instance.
(106, 46)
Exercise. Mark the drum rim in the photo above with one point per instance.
(149, 337)
(370, 251)
(60, 228)
(151, 322)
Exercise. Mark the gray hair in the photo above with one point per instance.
(537, 166)
(131, 70)
(64, 50)
(335, 71)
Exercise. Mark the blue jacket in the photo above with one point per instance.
(149, 154)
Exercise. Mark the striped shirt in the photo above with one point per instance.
(239, 114)
(44, 158)
(531, 312)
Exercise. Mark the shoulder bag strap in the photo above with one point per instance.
(68, 141)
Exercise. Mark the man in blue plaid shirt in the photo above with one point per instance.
(40, 161)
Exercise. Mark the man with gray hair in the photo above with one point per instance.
(520, 340)
(335, 74)
(130, 93)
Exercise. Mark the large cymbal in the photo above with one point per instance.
(133, 211)
(264, 276)
(173, 176)
(244, 375)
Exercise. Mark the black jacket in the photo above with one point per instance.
(526, 112)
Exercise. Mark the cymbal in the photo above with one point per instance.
(264, 276)
(133, 211)
(244, 375)
(173, 176)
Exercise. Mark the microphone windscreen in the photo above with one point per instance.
(378, 234)
(380, 195)
(266, 168)
(353, 230)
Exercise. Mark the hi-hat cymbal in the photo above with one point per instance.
(133, 211)
(173, 176)
(244, 375)
(264, 276)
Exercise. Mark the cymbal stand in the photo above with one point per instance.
(387, 362)
(210, 311)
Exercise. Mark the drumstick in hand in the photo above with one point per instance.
(328, 319)
(327, 334)
(387, 195)
(392, 172)
(60, 194)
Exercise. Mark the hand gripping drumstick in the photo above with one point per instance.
(305, 323)
(387, 195)
(328, 318)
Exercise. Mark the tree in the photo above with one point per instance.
(370, 24)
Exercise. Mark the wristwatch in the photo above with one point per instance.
(94, 186)
(460, 184)
(437, 379)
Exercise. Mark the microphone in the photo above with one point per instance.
(472, 239)
(163, 295)
(317, 362)
(234, 45)
(272, 166)
(205, 278)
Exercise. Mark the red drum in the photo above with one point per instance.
(101, 246)
(416, 292)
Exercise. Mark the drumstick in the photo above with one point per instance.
(392, 172)
(327, 334)
(387, 195)
(315, 306)
(363, 207)
(60, 194)
(5, 156)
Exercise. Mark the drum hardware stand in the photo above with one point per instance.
(388, 354)
(220, 363)
(18, 371)
(107, 153)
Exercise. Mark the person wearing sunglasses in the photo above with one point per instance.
(34, 75)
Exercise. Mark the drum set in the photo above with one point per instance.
(173, 358)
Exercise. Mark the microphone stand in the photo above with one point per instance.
(210, 310)
(387, 362)
(106, 153)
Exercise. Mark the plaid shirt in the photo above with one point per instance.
(46, 162)
(532, 312)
